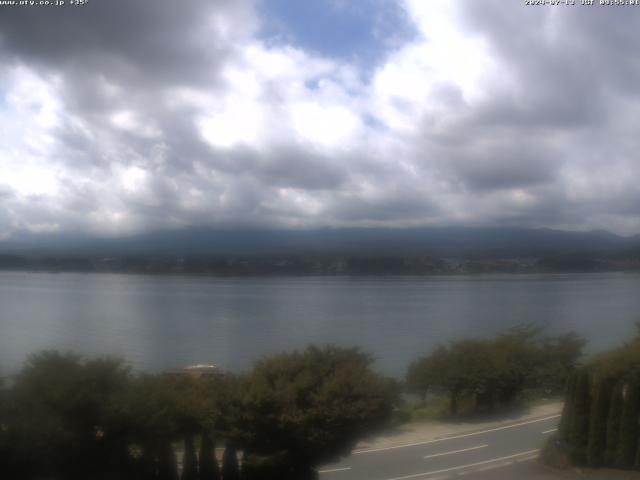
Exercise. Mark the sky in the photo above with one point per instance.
(120, 117)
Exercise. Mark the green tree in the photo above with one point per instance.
(496, 371)
(148, 411)
(559, 357)
(314, 405)
(7, 455)
(189, 460)
(579, 436)
(608, 386)
(613, 423)
(517, 355)
(60, 419)
(466, 369)
(568, 411)
(167, 464)
(425, 374)
(627, 445)
(208, 464)
(230, 467)
(598, 423)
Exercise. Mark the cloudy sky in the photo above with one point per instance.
(125, 116)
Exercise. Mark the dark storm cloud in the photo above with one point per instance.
(485, 158)
(565, 62)
(286, 166)
(503, 168)
(393, 208)
(165, 39)
(118, 54)
(109, 57)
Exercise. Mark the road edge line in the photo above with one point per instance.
(454, 437)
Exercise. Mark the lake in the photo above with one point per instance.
(164, 322)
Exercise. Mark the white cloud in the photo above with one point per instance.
(451, 127)
(28, 122)
(327, 126)
(130, 121)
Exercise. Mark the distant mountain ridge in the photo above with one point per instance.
(436, 241)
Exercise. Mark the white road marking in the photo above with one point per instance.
(469, 465)
(371, 450)
(456, 451)
(549, 431)
(495, 466)
(332, 470)
(527, 459)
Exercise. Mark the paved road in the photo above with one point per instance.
(490, 449)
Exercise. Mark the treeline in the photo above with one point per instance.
(313, 265)
(599, 425)
(489, 373)
(236, 266)
(63, 417)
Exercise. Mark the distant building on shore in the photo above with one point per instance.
(198, 371)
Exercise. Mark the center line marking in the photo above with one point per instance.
(551, 430)
(371, 450)
(331, 470)
(456, 451)
(469, 465)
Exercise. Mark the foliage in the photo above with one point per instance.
(613, 423)
(167, 464)
(208, 464)
(148, 410)
(66, 418)
(230, 467)
(628, 439)
(6, 451)
(424, 374)
(495, 371)
(189, 460)
(314, 405)
(554, 453)
(600, 420)
(568, 411)
(558, 357)
(579, 434)
(59, 417)
(433, 408)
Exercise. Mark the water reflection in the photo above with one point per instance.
(166, 322)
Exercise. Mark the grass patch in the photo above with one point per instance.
(432, 409)
(437, 407)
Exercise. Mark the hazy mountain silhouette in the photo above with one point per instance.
(202, 242)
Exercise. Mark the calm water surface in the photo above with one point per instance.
(159, 322)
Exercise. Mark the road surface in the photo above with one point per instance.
(503, 446)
